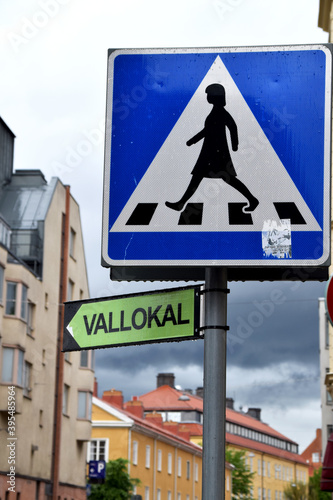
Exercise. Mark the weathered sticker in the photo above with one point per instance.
(276, 238)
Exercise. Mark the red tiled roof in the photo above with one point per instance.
(265, 448)
(165, 398)
(192, 427)
(154, 427)
(252, 423)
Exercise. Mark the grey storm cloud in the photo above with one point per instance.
(262, 332)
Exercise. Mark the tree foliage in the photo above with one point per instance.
(296, 491)
(242, 477)
(118, 484)
(315, 492)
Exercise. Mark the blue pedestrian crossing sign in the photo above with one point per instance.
(218, 157)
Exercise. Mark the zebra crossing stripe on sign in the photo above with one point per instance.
(206, 157)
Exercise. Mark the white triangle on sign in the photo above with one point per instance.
(256, 163)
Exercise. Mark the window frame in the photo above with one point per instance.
(179, 466)
(16, 368)
(97, 454)
(65, 399)
(2, 282)
(135, 452)
(87, 404)
(159, 460)
(27, 377)
(147, 463)
(18, 309)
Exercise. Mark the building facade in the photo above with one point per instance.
(269, 454)
(162, 456)
(45, 396)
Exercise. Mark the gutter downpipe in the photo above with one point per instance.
(56, 444)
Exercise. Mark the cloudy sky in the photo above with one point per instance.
(53, 61)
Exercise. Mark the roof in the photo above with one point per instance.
(26, 199)
(165, 398)
(244, 420)
(194, 428)
(265, 448)
(132, 420)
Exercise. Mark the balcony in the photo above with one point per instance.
(83, 430)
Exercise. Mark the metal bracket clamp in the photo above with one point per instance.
(214, 327)
(206, 290)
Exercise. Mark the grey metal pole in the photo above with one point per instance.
(213, 472)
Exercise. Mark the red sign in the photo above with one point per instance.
(329, 299)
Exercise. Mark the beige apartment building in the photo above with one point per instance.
(45, 395)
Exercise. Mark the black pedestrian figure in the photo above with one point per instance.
(214, 160)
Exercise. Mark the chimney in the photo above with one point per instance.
(255, 413)
(113, 397)
(199, 392)
(229, 402)
(135, 407)
(171, 427)
(95, 392)
(165, 379)
(154, 418)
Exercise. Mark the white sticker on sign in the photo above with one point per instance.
(276, 238)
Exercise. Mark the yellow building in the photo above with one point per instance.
(168, 465)
(41, 260)
(270, 455)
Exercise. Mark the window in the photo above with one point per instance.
(228, 483)
(268, 469)
(263, 468)
(259, 467)
(169, 495)
(196, 473)
(146, 492)
(188, 469)
(259, 493)
(27, 379)
(315, 457)
(179, 466)
(84, 359)
(16, 300)
(65, 398)
(72, 238)
(135, 453)
(2, 273)
(84, 405)
(11, 298)
(12, 365)
(158, 496)
(159, 460)
(24, 302)
(98, 449)
(87, 359)
(30, 318)
(70, 290)
(179, 496)
(147, 456)
(169, 463)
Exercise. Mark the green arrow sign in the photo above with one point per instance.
(132, 319)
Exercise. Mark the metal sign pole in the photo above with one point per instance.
(213, 472)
